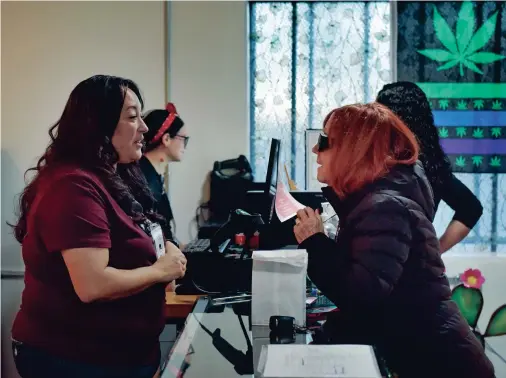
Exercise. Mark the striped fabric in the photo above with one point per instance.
(456, 52)
(474, 135)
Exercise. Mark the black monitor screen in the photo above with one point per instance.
(272, 167)
(272, 176)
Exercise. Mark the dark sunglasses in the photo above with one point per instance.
(184, 138)
(323, 142)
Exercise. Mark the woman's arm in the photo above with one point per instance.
(72, 219)
(365, 275)
(454, 233)
(468, 210)
(93, 280)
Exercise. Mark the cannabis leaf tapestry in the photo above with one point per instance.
(456, 52)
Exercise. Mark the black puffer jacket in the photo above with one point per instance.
(385, 273)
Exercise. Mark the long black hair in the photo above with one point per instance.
(409, 103)
(82, 136)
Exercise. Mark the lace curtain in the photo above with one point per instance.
(307, 58)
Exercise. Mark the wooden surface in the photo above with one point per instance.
(178, 306)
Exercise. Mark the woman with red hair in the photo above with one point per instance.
(384, 271)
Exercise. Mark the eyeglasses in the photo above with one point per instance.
(184, 138)
(323, 142)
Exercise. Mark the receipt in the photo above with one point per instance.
(317, 361)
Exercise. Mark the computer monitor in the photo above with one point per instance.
(271, 180)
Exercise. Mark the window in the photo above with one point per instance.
(307, 58)
(490, 232)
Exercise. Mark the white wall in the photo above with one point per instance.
(47, 48)
(208, 83)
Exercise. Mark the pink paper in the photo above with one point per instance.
(286, 206)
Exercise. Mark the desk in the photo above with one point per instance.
(218, 341)
(178, 307)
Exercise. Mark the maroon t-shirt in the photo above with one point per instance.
(76, 211)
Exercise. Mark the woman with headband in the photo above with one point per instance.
(166, 142)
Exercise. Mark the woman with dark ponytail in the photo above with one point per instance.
(96, 263)
(409, 103)
(166, 142)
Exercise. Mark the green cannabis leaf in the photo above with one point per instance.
(443, 132)
(496, 105)
(477, 160)
(461, 132)
(478, 133)
(495, 162)
(461, 105)
(443, 104)
(462, 48)
(460, 162)
(496, 132)
(478, 104)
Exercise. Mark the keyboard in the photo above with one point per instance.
(197, 245)
(203, 245)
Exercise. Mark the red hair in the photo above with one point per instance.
(366, 141)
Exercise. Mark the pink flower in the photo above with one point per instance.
(472, 278)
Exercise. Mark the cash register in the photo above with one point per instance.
(222, 264)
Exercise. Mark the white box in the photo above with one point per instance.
(279, 285)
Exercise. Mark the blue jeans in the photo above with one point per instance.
(35, 363)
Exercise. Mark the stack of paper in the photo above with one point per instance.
(318, 361)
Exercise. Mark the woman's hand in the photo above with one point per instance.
(171, 287)
(172, 265)
(308, 223)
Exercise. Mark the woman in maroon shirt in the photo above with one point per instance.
(96, 261)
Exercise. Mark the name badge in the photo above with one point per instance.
(158, 241)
